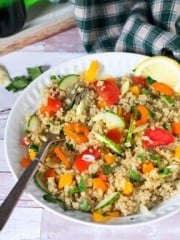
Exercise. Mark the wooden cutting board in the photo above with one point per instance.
(43, 20)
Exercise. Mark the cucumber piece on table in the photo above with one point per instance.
(113, 120)
(107, 201)
(33, 123)
(68, 81)
(39, 180)
(108, 142)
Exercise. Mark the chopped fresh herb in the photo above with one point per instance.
(150, 80)
(167, 99)
(146, 92)
(167, 127)
(142, 156)
(26, 131)
(151, 114)
(69, 146)
(155, 158)
(81, 187)
(84, 206)
(134, 176)
(133, 110)
(165, 171)
(94, 175)
(20, 82)
(73, 190)
(34, 72)
(35, 147)
(107, 169)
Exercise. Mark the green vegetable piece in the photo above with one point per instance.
(167, 127)
(113, 120)
(108, 142)
(68, 81)
(18, 83)
(107, 201)
(34, 123)
(69, 146)
(84, 206)
(40, 182)
(129, 134)
(150, 80)
(34, 72)
(167, 99)
(142, 156)
(133, 175)
(34, 146)
(165, 171)
(81, 187)
(156, 159)
(49, 198)
(107, 169)
(151, 114)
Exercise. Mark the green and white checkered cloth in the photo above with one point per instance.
(144, 27)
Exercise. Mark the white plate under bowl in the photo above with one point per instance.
(114, 64)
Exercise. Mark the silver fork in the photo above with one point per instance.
(9, 203)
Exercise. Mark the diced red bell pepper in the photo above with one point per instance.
(139, 80)
(115, 135)
(85, 158)
(157, 137)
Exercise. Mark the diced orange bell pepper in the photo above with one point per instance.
(79, 133)
(147, 167)
(98, 183)
(176, 128)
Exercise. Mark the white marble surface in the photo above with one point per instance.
(31, 222)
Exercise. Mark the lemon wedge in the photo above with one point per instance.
(162, 69)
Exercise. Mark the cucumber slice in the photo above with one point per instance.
(38, 178)
(108, 142)
(68, 81)
(113, 120)
(107, 201)
(34, 123)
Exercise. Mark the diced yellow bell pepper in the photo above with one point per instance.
(65, 180)
(91, 74)
(32, 154)
(135, 90)
(128, 188)
(177, 152)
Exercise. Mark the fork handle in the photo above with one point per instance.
(11, 200)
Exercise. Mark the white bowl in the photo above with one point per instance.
(115, 64)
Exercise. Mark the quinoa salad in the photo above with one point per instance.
(119, 152)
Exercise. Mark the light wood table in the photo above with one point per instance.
(30, 221)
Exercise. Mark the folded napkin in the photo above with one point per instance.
(147, 27)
